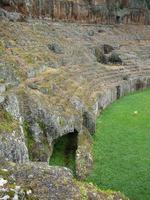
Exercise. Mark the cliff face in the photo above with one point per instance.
(89, 11)
(56, 78)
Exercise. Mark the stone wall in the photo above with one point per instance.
(86, 11)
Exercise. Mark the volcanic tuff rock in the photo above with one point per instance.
(95, 11)
(51, 94)
(12, 141)
(36, 181)
(84, 156)
(52, 82)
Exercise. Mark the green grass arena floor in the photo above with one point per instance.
(122, 147)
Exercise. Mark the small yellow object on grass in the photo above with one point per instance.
(135, 112)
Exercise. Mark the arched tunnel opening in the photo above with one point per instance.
(118, 91)
(64, 151)
(118, 19)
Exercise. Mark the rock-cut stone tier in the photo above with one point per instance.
(89, 11)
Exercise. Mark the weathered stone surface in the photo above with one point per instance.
(55, 48)
(12, 147)
(107, 48)
(40, 181)
(55, 101)
(12, 141)
(99, 11)
(84, 157)
(45, 95)
(115, 59)
(11, 16)
(100, 56)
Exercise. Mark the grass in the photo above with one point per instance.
(7, 123)
(122, 147)
(64, 151)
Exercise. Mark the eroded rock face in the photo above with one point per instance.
(11, 16)
(84, 155)
(12, 141)
(47, 101)
(45, 94)
(99, 11)
(39, 181)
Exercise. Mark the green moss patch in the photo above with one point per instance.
(38, 150)
(29, 139)
(91, 191)
(7, 123)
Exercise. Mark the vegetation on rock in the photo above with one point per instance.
(7, 123)
(54, 80)
(64, 151)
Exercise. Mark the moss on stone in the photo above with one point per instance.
(1, 48)
(82, 189)
(85, 139)
(89, 190)
(4, 174)
(29, 138)
(7, 123)
(11, 193)
(38, 150)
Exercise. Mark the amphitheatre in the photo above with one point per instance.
(74, 99)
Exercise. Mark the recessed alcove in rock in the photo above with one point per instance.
(64, 151)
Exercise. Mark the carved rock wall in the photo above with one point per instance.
(86, 11)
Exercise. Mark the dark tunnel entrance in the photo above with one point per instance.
(118, 19)
(64, 151)
(118, 91)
